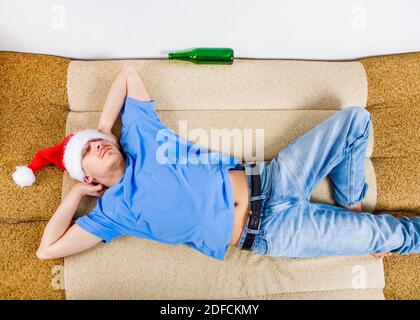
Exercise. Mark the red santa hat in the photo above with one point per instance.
(67, 155)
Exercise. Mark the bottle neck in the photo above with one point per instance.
(179, 55)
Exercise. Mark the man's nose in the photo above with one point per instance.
(102, 147)
(99, 149)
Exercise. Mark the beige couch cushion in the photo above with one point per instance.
(246, 84)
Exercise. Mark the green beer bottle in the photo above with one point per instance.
(205, 55)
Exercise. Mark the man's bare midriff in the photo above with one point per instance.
(240, 190)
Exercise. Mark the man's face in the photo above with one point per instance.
(100, 158)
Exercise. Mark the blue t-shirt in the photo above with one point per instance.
(173, 191)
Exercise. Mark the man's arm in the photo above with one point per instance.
(127, 83)
(58, 239)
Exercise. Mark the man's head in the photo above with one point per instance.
(102, 162)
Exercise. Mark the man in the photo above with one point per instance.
(208, 200)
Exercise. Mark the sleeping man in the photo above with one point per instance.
(155, 185)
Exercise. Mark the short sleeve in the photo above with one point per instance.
(137, 110)
(99, 225)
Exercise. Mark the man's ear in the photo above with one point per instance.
(88, 179)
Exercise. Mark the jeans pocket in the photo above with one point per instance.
(261, 244)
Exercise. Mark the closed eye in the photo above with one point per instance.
(84, 152)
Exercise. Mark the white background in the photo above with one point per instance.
(298, 29)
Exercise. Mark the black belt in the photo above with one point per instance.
(255, 210)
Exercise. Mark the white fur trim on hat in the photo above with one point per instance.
(73, 151)
(23, 176)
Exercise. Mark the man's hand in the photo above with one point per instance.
(89, 189)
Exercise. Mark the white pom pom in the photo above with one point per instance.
(24, 176)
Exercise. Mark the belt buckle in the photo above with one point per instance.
(251, 213)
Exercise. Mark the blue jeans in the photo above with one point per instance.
(291, 226)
